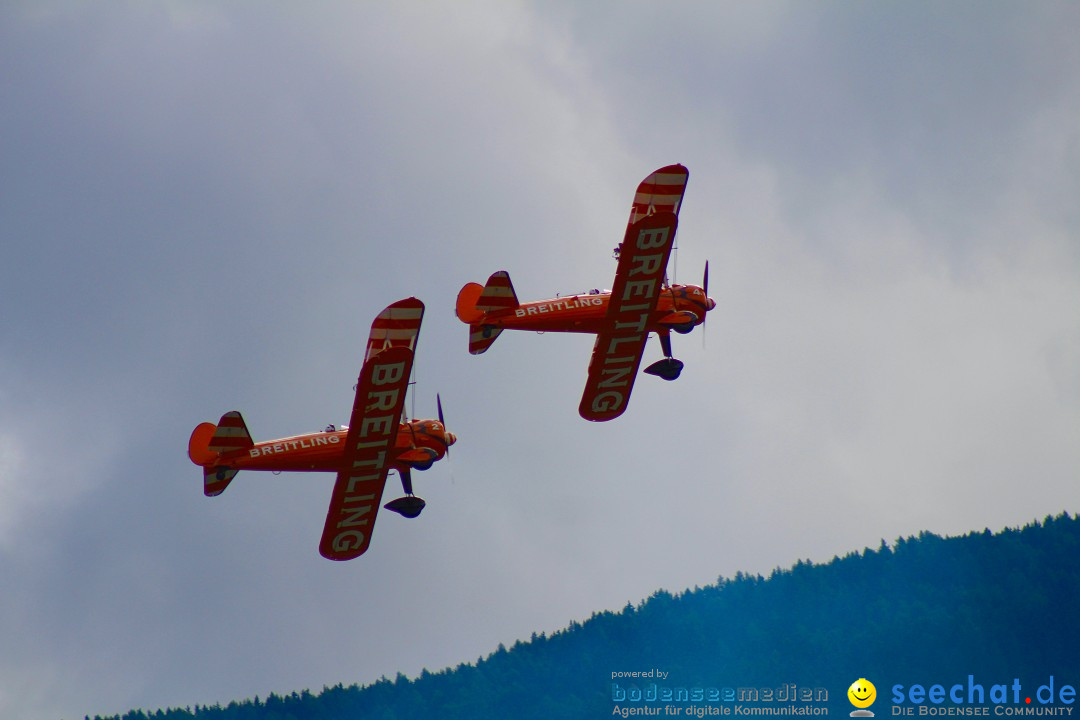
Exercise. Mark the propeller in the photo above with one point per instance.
(442, 421)
(410, 506)
(705, 289)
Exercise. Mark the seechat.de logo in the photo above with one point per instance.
(862, 694)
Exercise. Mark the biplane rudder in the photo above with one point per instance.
(498, 294)
(199, 444)
(209, 442)
(476, 302)
(466, 303)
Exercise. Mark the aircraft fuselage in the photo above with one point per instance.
(418, 443)
(677, 305)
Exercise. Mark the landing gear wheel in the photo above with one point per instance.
(408, 506)
(668, 368)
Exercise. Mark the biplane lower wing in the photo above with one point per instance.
(373, 428)
(639, 280)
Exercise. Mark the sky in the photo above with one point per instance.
(203, 205)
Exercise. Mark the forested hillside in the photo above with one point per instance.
(926, 610)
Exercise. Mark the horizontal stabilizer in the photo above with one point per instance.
(481, 337)
(216, 479)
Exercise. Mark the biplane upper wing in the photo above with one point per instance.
(373, 428)
(639, 278)
(396, 326)
(639, 281)
(662, 191)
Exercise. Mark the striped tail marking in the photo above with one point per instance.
(216, 479)
(498, 294)
(231, 434)
(481, 337)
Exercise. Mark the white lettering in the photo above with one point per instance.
(379, 425)
(608, 401)
(619, 377)
(638, 326)
(383, 399)
(647, 264)
(650, 238)
(387, 374)
(355, 517)
(640, 288)
(350, 540)
(373, 462)
(615, 341)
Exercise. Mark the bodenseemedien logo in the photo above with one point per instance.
(862, 694)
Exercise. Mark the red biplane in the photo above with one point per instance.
(375, 441)
(641, 301)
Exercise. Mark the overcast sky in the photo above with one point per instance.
(202, 207)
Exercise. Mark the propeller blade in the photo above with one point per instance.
(705, 288)
(442, 421)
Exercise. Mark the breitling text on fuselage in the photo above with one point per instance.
(570, 303)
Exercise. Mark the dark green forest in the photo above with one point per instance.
(923, 610)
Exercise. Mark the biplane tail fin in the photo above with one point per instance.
(199, 445)
(230, 434)
(476, 301)
(498, 294)
(208, 442)
(466, 309)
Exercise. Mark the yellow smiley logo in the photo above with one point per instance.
(862, 693)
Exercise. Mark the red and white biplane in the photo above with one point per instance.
(641, 301)
(375, 441)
